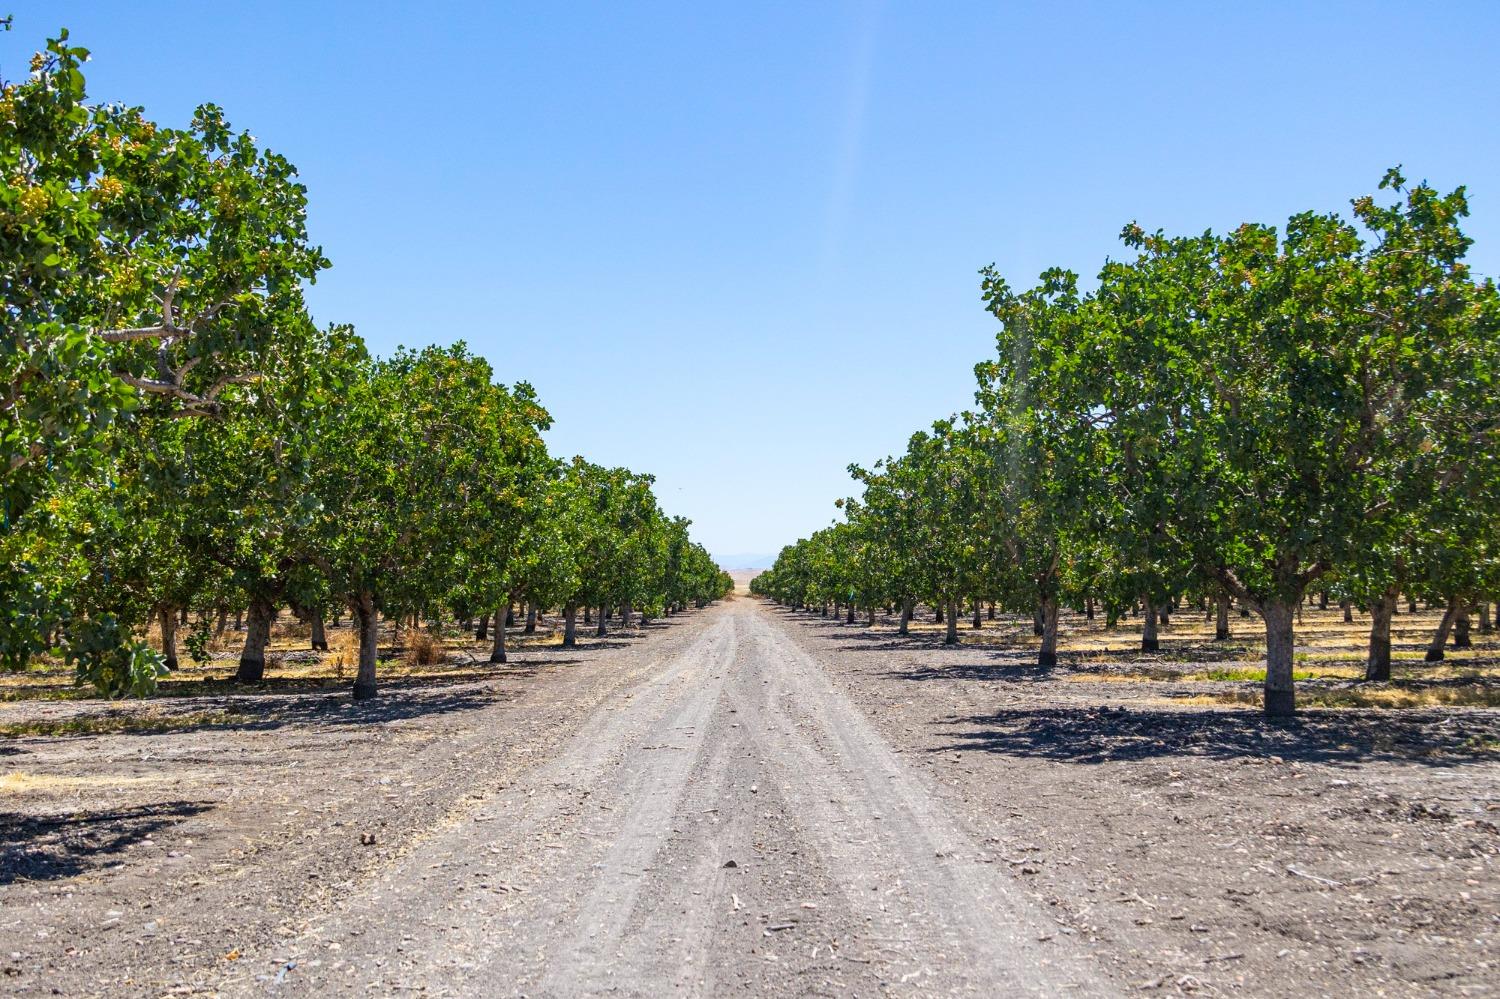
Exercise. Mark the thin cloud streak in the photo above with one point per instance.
(850, 147)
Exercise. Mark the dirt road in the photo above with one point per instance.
(729, 825)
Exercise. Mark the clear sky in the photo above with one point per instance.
(736, 244)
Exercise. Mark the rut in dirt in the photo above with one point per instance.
(731, 825)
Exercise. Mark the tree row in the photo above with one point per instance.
(1245, 417)
(179, 435)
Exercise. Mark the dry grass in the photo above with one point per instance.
(19, 782)
(420, 647)
(1373, 695)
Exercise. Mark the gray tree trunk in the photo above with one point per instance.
(1281, 698)
(1461, 639)
(602, 629)
(497, 648)
(1378, 659)
(1440, 638)
(482, 632)
(849, 613)
(319, 633)
(1047, 656)
(368, 622)
(950, 637)
(1348, 608)
(530, 619)
(625, 615)
(169, 638)
(1037, 624)
(1485, 625)
(978, 612)
(570, 625)
(907, 606)
(257, 634)
(1221, 618)
(1149, 641)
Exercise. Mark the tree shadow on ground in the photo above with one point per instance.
(49, 848)
(250, 712)
(1105, 734)
(1020, 668)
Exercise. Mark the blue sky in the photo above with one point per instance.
(736, 245)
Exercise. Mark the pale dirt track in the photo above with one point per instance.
(727, 825)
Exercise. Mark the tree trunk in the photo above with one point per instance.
(368, 623)
(588, 614)
(603, 628)
(497, 648)
(1037, 624)
(907, 606)
(625, 615)
(1348, 609)
(482, 631)
(1322, 600)
(1485, 625)
(1047, 657)
(1281, 698)
(1461, 638)
(990, 611)
(239, 620)
(1088, 607)
(871, 621)
(937, 613)
(319, 632)
(222, 622)
(849, 613)
(169, 638)
(1149, 641)
(530, 619)
(1378, 661)
(510, 615)
(978, 611)
(570, 625)
(1440, 638)
(950, 637)
(1411, 605)
(1221, 618)
(257, 635)
(1165, 616)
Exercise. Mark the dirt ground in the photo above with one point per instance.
(745, 801)
(1200, 850)
(150, 859)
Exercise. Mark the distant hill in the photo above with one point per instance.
(745, 561)
(742, 578)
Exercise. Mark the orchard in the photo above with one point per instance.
(181, 442)
(1223, 420)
